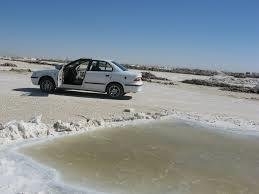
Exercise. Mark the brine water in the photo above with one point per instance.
(155, 158)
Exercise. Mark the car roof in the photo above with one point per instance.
(98, 59)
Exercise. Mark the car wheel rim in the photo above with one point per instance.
(114, 91)
(47, 85)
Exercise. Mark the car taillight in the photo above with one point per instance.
(137, 79)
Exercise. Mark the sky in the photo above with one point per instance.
(208, 34)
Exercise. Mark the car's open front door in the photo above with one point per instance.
(60, 77)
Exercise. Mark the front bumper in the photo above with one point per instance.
(34, 80)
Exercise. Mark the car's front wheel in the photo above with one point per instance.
(115, 90)
(47, 85)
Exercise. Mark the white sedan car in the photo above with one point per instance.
(92, 75)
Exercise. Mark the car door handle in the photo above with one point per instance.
(107, 75)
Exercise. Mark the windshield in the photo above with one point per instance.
(120, 66)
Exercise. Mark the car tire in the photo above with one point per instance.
(47, 85)
(115, 90)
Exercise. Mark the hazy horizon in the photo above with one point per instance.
(205, 34)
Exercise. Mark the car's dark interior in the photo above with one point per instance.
(74, 72)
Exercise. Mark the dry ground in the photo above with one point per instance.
(21, 100)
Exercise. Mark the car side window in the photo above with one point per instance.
(83, 66)
(93, 66)
(71, 65)
(100, 66)
(104, 66)
(108, 67)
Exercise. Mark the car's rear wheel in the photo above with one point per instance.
(115, 90)
(47, 85)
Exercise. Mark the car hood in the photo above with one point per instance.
(46, 72)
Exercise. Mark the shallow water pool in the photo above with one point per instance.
(155, 158)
